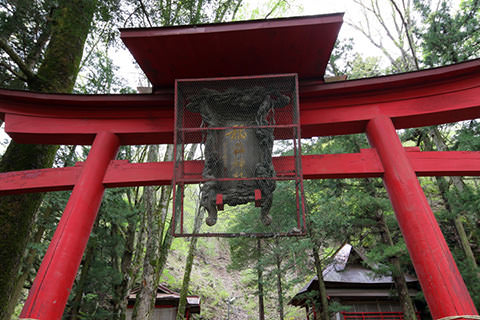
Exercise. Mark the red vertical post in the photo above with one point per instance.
(48, 296)
(441, 282)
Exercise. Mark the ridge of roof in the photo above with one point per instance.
(339, 265)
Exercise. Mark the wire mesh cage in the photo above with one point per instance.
(237, 163)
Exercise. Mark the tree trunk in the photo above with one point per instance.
(460, 186)
(278, 262)
(182, 304)
(166, 191)
(121, 290)
(26, 265)
(261, 306)
(397, 274)
(57, 73)
(17, 213)
(166, 237)
(27, 262)
(145, 301)
(321, 284)
(437, 139)
(462, 235)
(60, 67)
(139, 250)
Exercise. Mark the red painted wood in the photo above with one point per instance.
(442, 285)
(42, 180)
(318, 121)
(157, 306)
(83, 106)
(423, 98)
(375, 315)
(29, 129)
(258, 197)
(219, 201)
(451, 163)
(324, 95)
(54, 280)
(235, 49)
(121, 173)
(406, 112)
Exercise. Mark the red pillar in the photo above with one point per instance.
(48, 296)
(442, 285)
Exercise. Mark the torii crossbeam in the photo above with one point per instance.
(376, 106)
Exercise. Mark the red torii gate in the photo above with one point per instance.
(376, 106)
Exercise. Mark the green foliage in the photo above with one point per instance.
(148, 13)
(25, 25)
(452, 206)
(341, 54)
(267, 9)
(99, 76)
(470, 276)
(366, 67)
(467, 138)
(109, 239)
(344, 61)
(449, 36)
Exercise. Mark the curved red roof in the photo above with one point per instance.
(299, 45)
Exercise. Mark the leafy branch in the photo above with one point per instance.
(17, 59)
(407, 32)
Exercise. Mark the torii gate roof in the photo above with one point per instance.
(287, 45)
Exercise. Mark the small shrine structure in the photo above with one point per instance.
(374, 106)
(166, 304)
(351, 281)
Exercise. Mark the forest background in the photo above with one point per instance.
(66, 46)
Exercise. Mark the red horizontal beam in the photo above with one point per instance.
(422, 98)
(34, 130)
(315, 119)
(365, 164)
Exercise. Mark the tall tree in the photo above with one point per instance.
(66, 29)
(278, 275)
(460, 212)
(448, 35)
(261, 294)
(434, 33)
(390, 25)
(146, 297)
(247, 255)
(45, 221)
(166, 13)
(182, 304)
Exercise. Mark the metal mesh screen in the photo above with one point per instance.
(237, 157)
